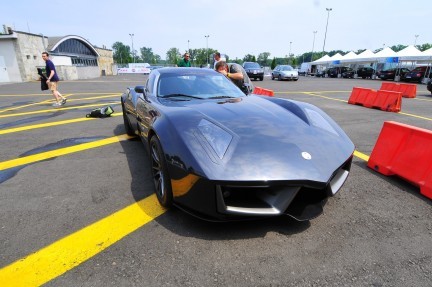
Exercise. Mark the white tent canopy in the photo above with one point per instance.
(323, 60)
(336, 57)
(348, 57)
(365, 56)
(386, 53)
(410, 53)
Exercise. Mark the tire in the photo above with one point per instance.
(279, 78)
(272, 77)
(261, 78)
(160, 174)
(128, 129)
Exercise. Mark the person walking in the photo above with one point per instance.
(185, 62)
(217, 58)
(52, 80)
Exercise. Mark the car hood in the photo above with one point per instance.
(258, 138)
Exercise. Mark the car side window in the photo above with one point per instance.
(150, 83)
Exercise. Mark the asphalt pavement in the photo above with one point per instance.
(77, 206)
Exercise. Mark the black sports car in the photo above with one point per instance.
(254, 70)
(222, 155)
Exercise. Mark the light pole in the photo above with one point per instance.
(207, 36)
(313, 44)
(325, 35)
(133, 51)
(290, 51)
(188, 46)
(415, 41)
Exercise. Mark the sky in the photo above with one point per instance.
(233, 27)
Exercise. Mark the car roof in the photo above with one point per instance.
(184, 71)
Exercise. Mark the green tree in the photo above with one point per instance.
(121, 53)
(398, 48)
(262, 58)
(147, 55)
(249, 58)
(173, 55)
(273, 63)
(424, 47)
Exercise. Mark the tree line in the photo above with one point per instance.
(123, 55)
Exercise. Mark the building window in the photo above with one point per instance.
(28, 57)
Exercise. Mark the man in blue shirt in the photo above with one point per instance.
(52, 80)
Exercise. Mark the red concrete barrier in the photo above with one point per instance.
(359, 95)
(263, 92)
(384, 100)
(407, 90)
(389, 86)
(388, 101)
(405, 151)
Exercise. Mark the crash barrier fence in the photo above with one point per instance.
(389, 101)
(405, 151)
(263, 92)
(407, 90)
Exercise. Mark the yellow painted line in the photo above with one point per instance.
(57, 109)
(415, 116)
(324, 97)
(28, 105)
(60, 152)
(52, 100)
(302, 92)
(334, 99)
(361, 155)
(48, 94)
(25, 106)
(52, 261)
(50, 124)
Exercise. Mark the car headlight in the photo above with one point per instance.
(218, 138)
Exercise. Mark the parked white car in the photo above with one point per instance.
(284, 72)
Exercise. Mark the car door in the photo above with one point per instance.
(129, 107)
(146, 110)
(276, 71)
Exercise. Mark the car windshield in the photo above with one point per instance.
(188, 87)
(418, 69)
(287, 68)
(251, 66)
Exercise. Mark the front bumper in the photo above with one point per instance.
(228, 201)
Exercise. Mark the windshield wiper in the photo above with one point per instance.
(221, 97)
(180, 95)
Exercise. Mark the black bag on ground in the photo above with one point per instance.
(101, 112)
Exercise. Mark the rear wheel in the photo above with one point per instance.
(160, 174)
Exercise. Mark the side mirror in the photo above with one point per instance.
(139, 89)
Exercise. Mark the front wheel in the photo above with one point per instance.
(129, 130)
(160, 174)
(279, 78)
(261, 78)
